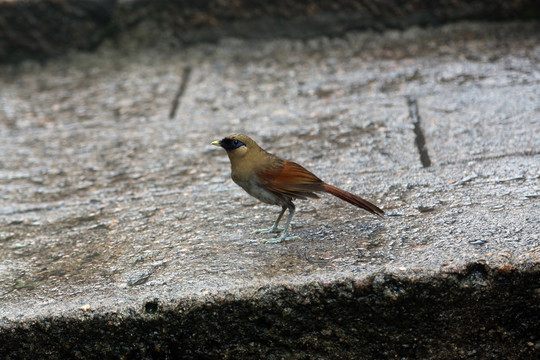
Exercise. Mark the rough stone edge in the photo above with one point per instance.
(44, 28)
(477, 310)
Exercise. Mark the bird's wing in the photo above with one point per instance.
(291, 179)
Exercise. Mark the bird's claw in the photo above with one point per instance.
(268, 230)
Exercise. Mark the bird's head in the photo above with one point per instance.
(236, 145)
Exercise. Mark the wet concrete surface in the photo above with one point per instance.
(123, 235)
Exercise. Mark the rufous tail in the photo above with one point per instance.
(353, 199)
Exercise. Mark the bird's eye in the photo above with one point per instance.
(231, 144)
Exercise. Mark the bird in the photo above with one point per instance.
(277, 181)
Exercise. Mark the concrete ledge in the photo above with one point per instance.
(478, 312)
(122, 235)
(43, 28)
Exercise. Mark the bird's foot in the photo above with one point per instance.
(280, 239)
(268, 230)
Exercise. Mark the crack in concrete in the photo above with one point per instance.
(492, 157)
(181, 90)
(419, 139)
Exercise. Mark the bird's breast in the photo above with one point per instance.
(254, 188)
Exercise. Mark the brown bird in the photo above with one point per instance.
(276, 181)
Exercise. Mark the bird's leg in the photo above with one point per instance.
(283, 235)
(274, 228)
